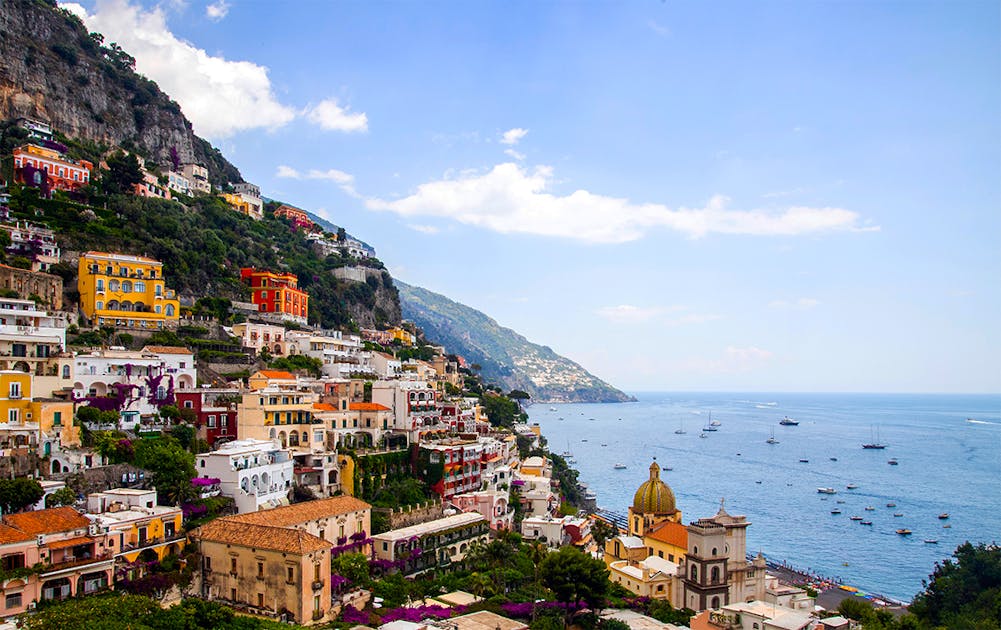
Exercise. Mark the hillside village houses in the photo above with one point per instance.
(273, 434)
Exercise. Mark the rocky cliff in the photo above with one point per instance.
(53, 70)
(505, 357)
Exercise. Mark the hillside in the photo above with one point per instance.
(52, 69)
(505, 357)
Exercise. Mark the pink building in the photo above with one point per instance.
(491, 504)
(77, 558)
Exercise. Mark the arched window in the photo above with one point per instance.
(715, 602)
(140, 287)
(100, 305)
(66, 371)
(695, 573)
(114, 285)
(714, 551)
(169, 311)
(714, 575)
(127, 286)
(305, 437)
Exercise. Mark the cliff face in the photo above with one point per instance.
(53, 70)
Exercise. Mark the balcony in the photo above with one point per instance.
(317, 585)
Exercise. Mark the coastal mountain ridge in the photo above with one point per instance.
(505, 357)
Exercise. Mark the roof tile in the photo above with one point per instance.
(225, 530)
(298, 513)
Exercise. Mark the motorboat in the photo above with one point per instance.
(840, 502)
(943, 516)
(834, 459)
(552, 409)
(891, 505)
(804, 461)
(869, 508)
(865, 523)
(788, 422)
(898, 514)
(619, 466)
(931, 541)
(827, 491)
(835, 511)
(904, 532)
(771, 440)
(893, 461)
(855, 518)
(852, 486)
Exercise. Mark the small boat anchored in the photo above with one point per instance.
(855, 518)
(851, 486)
(835, 511)
(893, 461)
(931, 541)
(943, 516)
(904, 531)
(788, 422)
(865, 523)
(619, 467)
(827, 491)
(869, 508)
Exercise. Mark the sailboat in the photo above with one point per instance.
(712, 424)
(681, 428)
(771, 439)
(876, 444)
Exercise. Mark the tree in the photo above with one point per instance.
(965, 593)
(602, 531)
(353, 566)
(17, 494)
(172, 468)
(575, 578)
(123, 173)
(62, 496)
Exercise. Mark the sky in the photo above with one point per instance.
(767, 196)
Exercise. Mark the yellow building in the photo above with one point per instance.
(125, 291)
(143, 525)
(644, 559)
(237, 203)
(403, 335)
(26, 422)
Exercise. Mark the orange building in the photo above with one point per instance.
(277, 293)
(32, 164)
(298, 217)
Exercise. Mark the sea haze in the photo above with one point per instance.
(948, 448)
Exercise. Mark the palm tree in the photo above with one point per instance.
(537, 551)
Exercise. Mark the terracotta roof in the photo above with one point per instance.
(10, 535)
(167, 350)
(671, 533)
(363, 406)
(278, 374)
(298, 513)
(324, 407)
(69, 542)
(60, 519)
(260, 536)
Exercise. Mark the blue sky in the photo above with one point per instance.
(769, 196)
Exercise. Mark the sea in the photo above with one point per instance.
(947, 449)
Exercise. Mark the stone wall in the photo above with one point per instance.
(26, 283)
(412, 514)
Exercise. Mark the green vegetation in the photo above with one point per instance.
(116, 611)
(172, 468)
(298, 362)
(203, 245)
(62, 496)
(965, 593)
(17, 494)
(501, 410)
(575, 578)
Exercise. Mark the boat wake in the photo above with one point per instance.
(972, 421)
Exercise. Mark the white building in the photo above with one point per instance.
(178, 183)
(33, 341)
(257, 474)
(386, 365)
(135, 513)
(415, 404)
(35, 242)
(340, 353)
(142, 381)
(260, 336)
(251, 193)
(198, 178)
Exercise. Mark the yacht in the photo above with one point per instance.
(619, 466)
(788, 422)
(893, 461)
(771, 439)
(875, 444)
(855, 518)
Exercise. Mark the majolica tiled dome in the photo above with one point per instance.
(654, 496)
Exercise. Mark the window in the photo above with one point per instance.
(222, 420)
(290, 575)
(232, 566)
(57, 418)
(260, 569)
(140, 287)
(13, 600)
(12, 415)
(208, 563)
(15, 390)
(212, 421)
(66, 371)
(260, 600)
(188, 404)
(100, 284)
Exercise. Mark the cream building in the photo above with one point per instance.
(257, 474)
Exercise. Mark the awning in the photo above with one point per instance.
(70, 542)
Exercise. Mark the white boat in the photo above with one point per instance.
(703, 435)
(851, 486)
(788, 422)
(771, 439)
(893, 461)
(931, 541)
(869, 508)
(713, 423)
(827, 491)
(681, 428)
(619, 466)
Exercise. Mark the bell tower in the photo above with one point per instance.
(705, 581)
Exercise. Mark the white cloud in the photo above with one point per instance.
(510, 198)
(663, 31)
(344, 181)
(802, 303)
(424, 229)
(216, 11)
(220, 97)
(332, 117)
(516, 155)
(784, 193)
(629, 314)
(513, 136)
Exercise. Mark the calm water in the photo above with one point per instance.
(946, 464)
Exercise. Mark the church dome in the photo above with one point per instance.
(654, 496)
